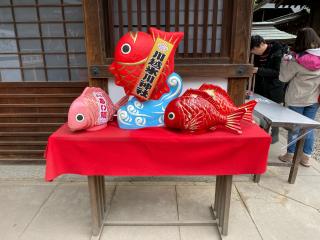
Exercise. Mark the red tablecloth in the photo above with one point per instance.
(156, 152)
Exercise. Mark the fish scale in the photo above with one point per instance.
(131, 75)
(196, 112)
(223, 103)
(193, 106)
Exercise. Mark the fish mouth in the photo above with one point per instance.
(133, 63)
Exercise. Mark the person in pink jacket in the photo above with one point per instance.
(301, 69)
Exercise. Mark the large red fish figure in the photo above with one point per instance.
(224, 104)
(194, 111)
(142, 62)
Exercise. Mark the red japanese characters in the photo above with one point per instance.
(92, 110)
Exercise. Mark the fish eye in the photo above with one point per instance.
(79, 117)
(126, 48)
(171, 115)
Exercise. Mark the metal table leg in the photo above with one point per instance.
(222, 200)
(221, 207)
(297, 158)
(256, 178)
(98, 204)
(216, 196)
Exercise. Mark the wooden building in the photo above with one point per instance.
(51, 49)
(270, 33)
(280, 12)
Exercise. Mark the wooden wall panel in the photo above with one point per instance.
(29, 113)
(190, 16)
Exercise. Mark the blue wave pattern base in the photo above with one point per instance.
(136, 114)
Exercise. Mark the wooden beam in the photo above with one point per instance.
(190, 70)
(5, 85)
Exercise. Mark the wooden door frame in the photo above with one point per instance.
(237, 70)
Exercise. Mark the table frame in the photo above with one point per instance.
(99, 209)
(294, 166)
(303, 125)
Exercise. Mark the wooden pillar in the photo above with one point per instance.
(240, 44)
(94, 36)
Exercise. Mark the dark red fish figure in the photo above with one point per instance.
(195, 111)
(224, 104)
(130, 57)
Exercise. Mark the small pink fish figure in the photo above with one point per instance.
(194, 111)
(92, 110)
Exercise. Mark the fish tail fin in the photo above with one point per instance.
(121, 102)
(171, 37)
(248, 107)
(233, 121)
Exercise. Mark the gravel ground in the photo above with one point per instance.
(316, 152)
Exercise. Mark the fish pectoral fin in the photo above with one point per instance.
(199, 116)
(195, 121)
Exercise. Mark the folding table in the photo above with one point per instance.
(157, 152)
(276, 115)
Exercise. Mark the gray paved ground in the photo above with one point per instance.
(31, 209)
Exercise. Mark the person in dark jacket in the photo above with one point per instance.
(267, 62)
